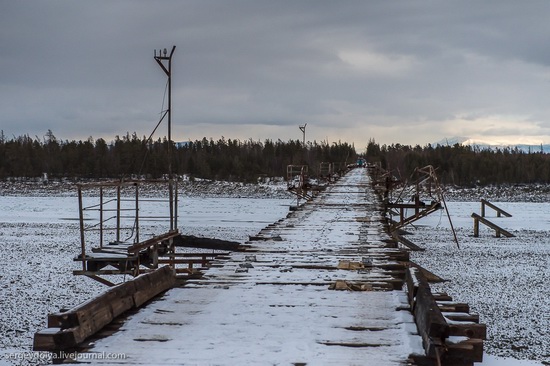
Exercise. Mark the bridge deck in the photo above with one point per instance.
(273, 305)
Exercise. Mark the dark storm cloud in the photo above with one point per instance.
(400, 71)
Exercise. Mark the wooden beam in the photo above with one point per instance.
(69, 328)
(406, 242)
(498, 229)
(499, 210)
(430, 276)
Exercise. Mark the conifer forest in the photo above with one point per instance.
(237, 160)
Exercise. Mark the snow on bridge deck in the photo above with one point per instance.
(281, 311)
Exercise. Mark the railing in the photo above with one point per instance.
(499, 210)
(115, 212)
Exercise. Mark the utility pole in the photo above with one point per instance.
(303, 129)
(165, 62)
(162, 58)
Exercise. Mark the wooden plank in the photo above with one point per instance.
(409, 244)
(201, 261)
(423, 213)
(147, 243)
(429, 319)
(151, 284)
(493, 226)
(412, 281)
(468, 329)
(101, 272)
(431, 324)
(499, 210)
(463, 352)
(52, 339)
(197, 254)
(191, 241)
(462, 317)
(442, 296)
(454, 307)
(69, 328)
(430, 276)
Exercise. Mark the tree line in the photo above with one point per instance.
(237, 160)
(464, 165)
(130, 155)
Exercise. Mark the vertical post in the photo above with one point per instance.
(176, 205)
(137, 212)
(101, 217)
(482, 208)
(81, 217)
(160, 58)
(170, 114)
(476, 227)
(171, 198)
(303, 129)
(118, 213)
(172, 252)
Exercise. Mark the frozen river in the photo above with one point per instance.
(503, 279)
(39, 236)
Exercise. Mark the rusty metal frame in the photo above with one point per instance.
(421, 177)
(125, 208)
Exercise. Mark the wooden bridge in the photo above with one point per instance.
(325, 285)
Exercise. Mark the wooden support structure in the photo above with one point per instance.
(133, 259)
(430, 276)
(67, 329)
(437, 321)
(420, 210)
(426, 183)
(499, 210)
(406, 242)
(498, 229)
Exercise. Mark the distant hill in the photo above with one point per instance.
(485, 145)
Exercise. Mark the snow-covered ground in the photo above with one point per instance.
(503, 279)
(39, 237)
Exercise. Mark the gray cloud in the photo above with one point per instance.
(408, 72)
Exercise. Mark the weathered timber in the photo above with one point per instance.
(468, 329)
(431, 324)
(499, 210)
(453, 307)
(152, 284)
(430, 276)
(498, 229)
(463, 352)
(192, 241)
(69, 328)
(453, 338)
(406, 242)
(404, 221)
(462, 317)
(153, 241)
(441, 296)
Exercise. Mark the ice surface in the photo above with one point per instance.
(502, 279)
(505, 280)
(39, 236)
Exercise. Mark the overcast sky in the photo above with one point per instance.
(410, 72)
